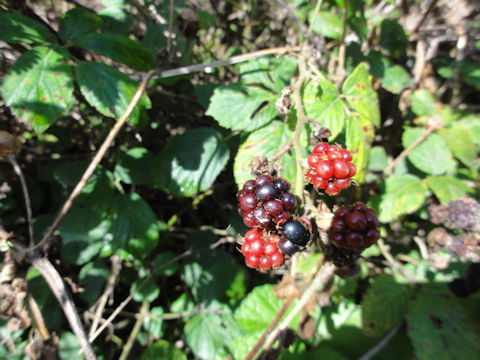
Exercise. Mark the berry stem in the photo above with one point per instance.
(301, 120)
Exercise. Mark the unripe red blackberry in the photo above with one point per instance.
(261, 250)
(354, 228)
(330, 168)
(265, 202)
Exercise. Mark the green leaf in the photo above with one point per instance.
(432, 155)
(108, 90)
(259, 308)
(447, 188)
(133, 225)
(17, 28)
(94, 274)
(460, 143)
(394, 78)
(68, 346)
(327, 24)
(273, 74)
(118, 48)
(241, 346)
(359, 136)
(266, 141)
(239, 107)
(472, 125)
(207, 333)
(360, 95)
(378, 159)
(384, 305)
(322, 103)
(136, 166)
(471, 73)
(190, 162)
(163, 350)
(393, 38)
(404, 194)
(423, 103)
(77, 22)
(39, 86)
(440, 328)
(145, 289)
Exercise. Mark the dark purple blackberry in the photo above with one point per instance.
(295, 232)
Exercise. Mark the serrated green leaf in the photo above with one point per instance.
(460, 143)
(133, 225)
(274, 74)
(240, 347)
(360, 95)
(240, 107)
(403, 194)
(432, 155)
(17, 28)
(447, 188)
(440, 328)
(327, 24)
(145, 289)
(163, 350)
(39, 86)
(259, 308)
(190, 162)
(384, 305)
(108, 90)
(265, 142)
(423, 103)
(207, 334)
(77, 22)
(118, 48)
(472, 124)
(393, 38)
(359, 136)
(322, 103)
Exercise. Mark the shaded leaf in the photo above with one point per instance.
(273, 74)
(77, 22)
(393, 38)
(163, 350)
(327, 24)
(403, 194)
(423, 103)
(108, 90)
(145, 289)
(447, 188)
(17, 28)
(378, 159)
(190, 162)
(136, 166)
(39, 86)
(360, 95)
(394, 78)
(384, 305)
(322, 103)
(440, 328)
(133, 226)
(118, 48)
(432, 155)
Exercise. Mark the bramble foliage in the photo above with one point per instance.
(397, 87)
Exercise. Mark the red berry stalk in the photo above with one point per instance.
(330, 168)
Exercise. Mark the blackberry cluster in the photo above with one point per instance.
(266, 202)
(354, 228)
(330, 168)
(341, 257)
(261, 251)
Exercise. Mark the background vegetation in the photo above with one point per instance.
(148, 251)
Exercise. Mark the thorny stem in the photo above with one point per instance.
(136, 328)
(28, 206)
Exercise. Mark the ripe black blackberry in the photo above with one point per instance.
(265, 202)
